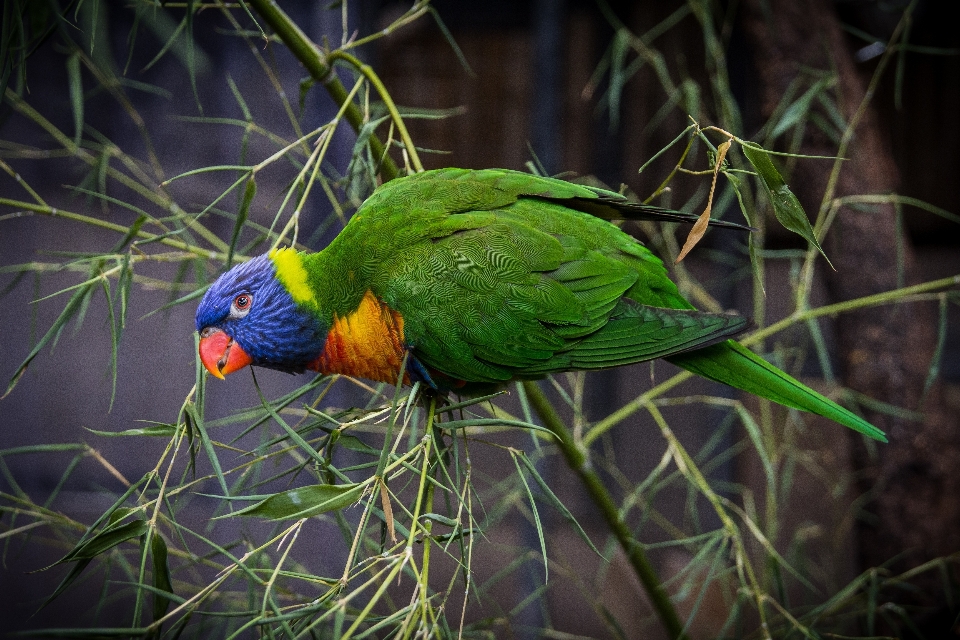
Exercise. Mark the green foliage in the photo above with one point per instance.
(785, 205)
(395, 483)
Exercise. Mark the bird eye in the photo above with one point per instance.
(241, 305)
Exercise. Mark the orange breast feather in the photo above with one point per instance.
(365, 343)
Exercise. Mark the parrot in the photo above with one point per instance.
(466, 280)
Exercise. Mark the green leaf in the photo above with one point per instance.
(304, 502)
(118, 514)
(490, 422)
(361, 171)
(785, 204)
(552, 498)
(161, 575)
(248, 194)
(452, 42)
(469, 402)
(104, 541)
(455, 535)
(161, 430)
(195, 420)
(798, 110)
(76, 95)
(619, 49)
(124, 281)
(444, 520)
(356, 444)
(72, 307)
(305, 85)
(44, 448)
(75, 572)
(937, 356)
(756, 260)
(193, 295)
(114, 340)
(533, 509)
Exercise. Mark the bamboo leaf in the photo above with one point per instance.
(305, 85)
(74, 573)
(355, 444)
(361, 171)
(754, 245)
(436, 517)
(190, 409)
(533, 509)
(456, 535)
(248, 194)
(105, 540)
(618, 75)
(161, 430)
(935, 359)
(786, 206)
(114, 340)
(556, 503)
(798, 110)
(44, 448)
(304, 502)
(193, 295)
(491, 422)
(462, 59)
(71, 309)
(76, 95)
(161, 575)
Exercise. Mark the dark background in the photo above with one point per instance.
(531, 62)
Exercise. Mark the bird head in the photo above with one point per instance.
(247, 317)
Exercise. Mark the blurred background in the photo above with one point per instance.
(528, 84)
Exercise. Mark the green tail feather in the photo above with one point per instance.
(733, 364)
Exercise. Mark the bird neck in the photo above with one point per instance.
(316, 283)
(364, 336)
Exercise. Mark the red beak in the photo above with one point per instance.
(220, 354)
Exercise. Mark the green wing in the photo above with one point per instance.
(534, 288)
(493, 188)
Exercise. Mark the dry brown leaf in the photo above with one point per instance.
(387, 511)
(700, 226)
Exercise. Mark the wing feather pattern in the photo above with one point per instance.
(533, 288)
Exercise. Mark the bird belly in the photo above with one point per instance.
(365, 343)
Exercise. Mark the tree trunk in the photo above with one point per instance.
(884, 352)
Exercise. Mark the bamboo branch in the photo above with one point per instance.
(577, 460)
(55, 212)
(374, 79)
(321, 70)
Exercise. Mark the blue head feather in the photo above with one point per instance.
(276, 333)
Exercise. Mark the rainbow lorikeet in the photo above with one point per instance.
(480, 278)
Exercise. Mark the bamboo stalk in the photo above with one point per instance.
(577, 460)
(321, 70)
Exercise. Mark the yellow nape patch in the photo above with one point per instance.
(291, 273)
(365, 343)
